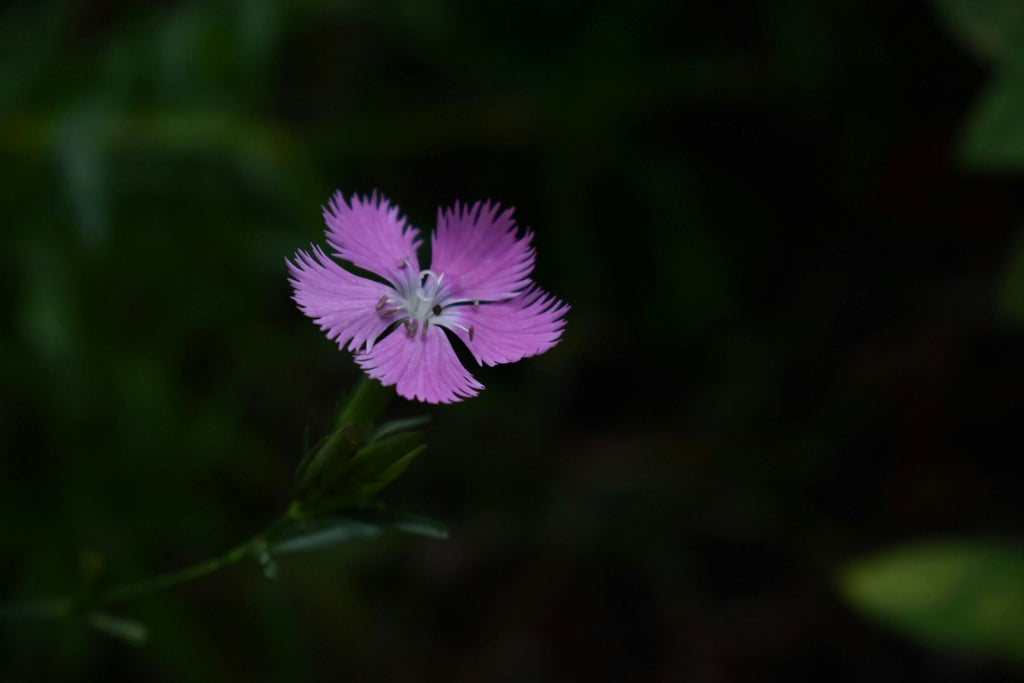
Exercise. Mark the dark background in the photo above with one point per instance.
(795, 334)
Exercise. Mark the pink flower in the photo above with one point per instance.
(478, 288)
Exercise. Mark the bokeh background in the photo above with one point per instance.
(790, 234)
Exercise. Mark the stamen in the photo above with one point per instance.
(386, 313)
(476, 302)
(436, 309)
(410, 327)
(472, 330)
(423, 330)
(425, 276)
(383, 300)
(403, 261)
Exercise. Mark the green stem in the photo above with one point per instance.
(162, 582)
(58, 608)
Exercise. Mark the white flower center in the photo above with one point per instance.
(419, 302)
(414, 306)
(422, 303)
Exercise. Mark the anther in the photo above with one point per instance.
(383, 300)
(402, 261)
(472, 330)
(410, 327)
(423, 330)
(476, 302)
(436, 309)
(387, 312)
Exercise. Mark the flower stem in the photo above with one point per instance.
(162, 582)
(59, 608)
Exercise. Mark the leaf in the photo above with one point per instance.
(990, 29)
(350, 525)
(331, 454)
(961, 594)
(331, 458)
(323, 533)
(128, 630)
(309, 454)
(396, 426)
(376, 465)
(994, 134)
(407, 522)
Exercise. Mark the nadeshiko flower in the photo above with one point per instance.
(400, 323)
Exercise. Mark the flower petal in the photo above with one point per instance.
(480, 253)
(423, 367)
(507, 331)
(371, 234)
(343, 304)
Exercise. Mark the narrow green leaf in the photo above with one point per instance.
(324, 533)
(396, 426)
(399, 520)
(361, 486)
(128, 630)
(994, 134)
(374, 458)
(422, 526)
(330, 456)
(375, 466)
(308, 454)
(394, 471)
(329, 461)
(961, 594)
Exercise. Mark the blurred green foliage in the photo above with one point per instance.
(990, 30)
(993, 138)
(783, 351)
(957, 594)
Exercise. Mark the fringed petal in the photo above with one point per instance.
(480, 253)
(343, 304)
(371, 234)
(422, 367)
(507, 331)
